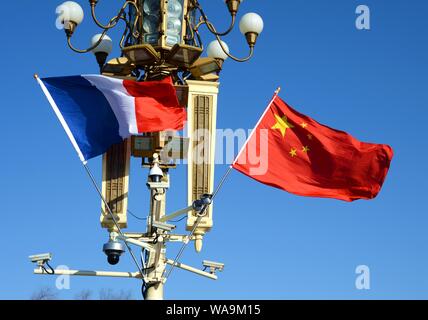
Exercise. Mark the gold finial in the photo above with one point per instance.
(36, 76)
(277, 91)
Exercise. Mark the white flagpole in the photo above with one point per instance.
(85, 165)
(216, 191)
(61, 118)
(257, 124)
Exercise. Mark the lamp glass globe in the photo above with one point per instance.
(72, 12)
(251, 22)
(106, 45)
(214, 50)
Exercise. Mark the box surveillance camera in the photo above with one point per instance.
(213, 265)
(41, 258)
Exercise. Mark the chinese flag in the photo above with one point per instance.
(293, 152)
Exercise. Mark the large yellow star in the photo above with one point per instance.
(282, 124)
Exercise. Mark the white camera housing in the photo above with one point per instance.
(213, 266)
(41, 258)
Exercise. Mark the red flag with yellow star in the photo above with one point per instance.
(293, 152)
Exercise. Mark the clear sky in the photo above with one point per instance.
(372, 84)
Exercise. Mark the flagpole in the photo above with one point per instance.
(94, 183)
(201, 214)
(85, 165)
(277, 91)
(214, 194)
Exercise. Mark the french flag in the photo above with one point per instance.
(98, 111)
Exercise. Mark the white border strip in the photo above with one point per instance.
(61, 119)
(258, 122)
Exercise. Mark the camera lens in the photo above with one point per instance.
(113, 258)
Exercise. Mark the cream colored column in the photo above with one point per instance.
(201, 126)
(115, 184)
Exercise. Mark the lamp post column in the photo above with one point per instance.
(158, 183)
(162, 38)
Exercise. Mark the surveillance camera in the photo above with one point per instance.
(213, 266)
(163, 226)
(41, 258)
(156, 173)
(113, 250)
(199, 204)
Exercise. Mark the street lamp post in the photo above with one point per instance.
(159, 35)
(162, 38)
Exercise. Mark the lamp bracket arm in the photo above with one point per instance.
(88, 49)
(126, 32)
(204, 20)
(250, 55)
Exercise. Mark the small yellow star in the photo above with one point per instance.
(305, 149)
(304, 125)
(309, 136)
(282, 124)
(293, 152)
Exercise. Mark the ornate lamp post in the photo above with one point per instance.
(162, 38)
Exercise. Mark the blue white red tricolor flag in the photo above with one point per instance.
(97, 111)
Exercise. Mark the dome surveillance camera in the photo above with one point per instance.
(113, 250)
(156, 173)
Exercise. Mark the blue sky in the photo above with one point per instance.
(372, 84)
